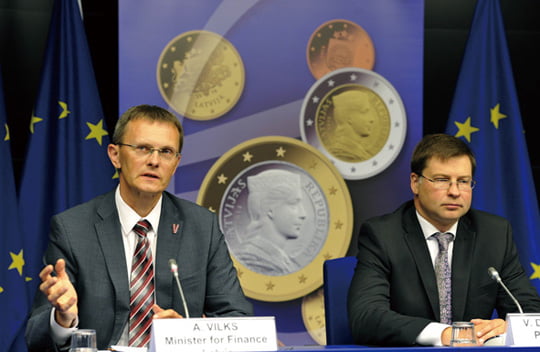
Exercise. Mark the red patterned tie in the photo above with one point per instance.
(141, 288)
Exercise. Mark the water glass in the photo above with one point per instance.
(83, 340)
(463, 334)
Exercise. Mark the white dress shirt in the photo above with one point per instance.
(431, 335)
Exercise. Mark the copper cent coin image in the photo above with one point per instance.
(200, 75)
(284, 209)
(357, 119)
(339, 43)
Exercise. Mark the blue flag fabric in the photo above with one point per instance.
(66, 162)
(485, 112)
(13, 295)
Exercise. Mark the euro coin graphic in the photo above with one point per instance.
(339, 43)
(284, 209)
(357, 119)
(313, 316)
(200, 75)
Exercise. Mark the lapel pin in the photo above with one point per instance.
(175, 228)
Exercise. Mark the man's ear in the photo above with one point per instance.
(113, 150)
(414, 183)
(177, 163)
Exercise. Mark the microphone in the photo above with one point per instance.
(494, 274)
(174, 270)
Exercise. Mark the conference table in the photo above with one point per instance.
(353, 348)
(407, 349)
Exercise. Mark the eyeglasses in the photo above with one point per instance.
(144, 150)
(446, 183)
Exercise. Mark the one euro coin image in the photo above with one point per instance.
(284, 209)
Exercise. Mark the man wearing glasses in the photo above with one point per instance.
(108, 259)
(425, 265)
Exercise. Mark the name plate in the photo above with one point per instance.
(522, 329)
(214, 334)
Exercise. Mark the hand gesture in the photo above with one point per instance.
(60, 293)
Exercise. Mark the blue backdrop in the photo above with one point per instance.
(271, 38)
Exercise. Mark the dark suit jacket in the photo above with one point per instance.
(89, 238)
(393, 294)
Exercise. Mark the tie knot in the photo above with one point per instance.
(142, 227)
(444, 239)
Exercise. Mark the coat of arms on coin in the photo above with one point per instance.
(337, 44)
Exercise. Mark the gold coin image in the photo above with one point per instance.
(353, 123)
(200, 75)
(313, 316)
(337, 44)
(284, 209)
(357, 119)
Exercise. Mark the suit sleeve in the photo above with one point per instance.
(372, 320)
(38, 330)
(73, 238)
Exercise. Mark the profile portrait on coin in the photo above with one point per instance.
(277, 215)
(354, 121)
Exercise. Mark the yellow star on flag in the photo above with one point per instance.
(465, 129)
(65, 110)
(96, 131)
(536, 273)
(6, 138)
(33, 121)
(17, 261)
(496, 115)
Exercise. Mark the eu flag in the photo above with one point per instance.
(485, 112)
(13, 296)
(66, 161)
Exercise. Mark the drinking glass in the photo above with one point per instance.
(463, 334)
(83, 340)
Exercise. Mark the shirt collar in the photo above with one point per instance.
(428, 229)
(129, 217)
